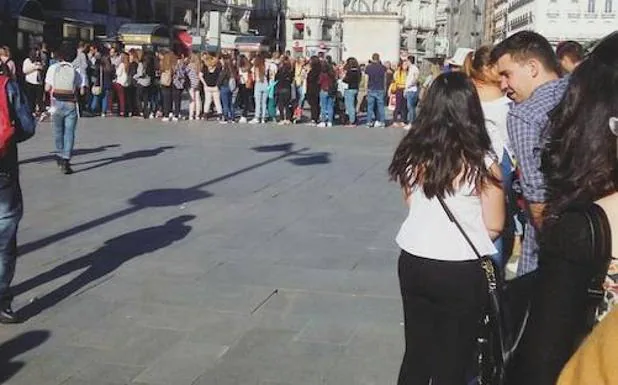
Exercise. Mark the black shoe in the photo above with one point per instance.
(66, 167)
(8, 317)
(59, 161)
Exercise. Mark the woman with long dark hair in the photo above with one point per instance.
(228, 80)
(581, 172)
(284, 90)
(446, 154)
(328, 92)
(33, 75)
(104, 78)
(313, 88)
(260, 89)
(144, 78)
(352, 78)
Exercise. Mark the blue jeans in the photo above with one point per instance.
(260, 93)
(349, 97)
(227, 102)
(375, 99)
(327, 107)
(103, 98)
(11, 210)
(412, 100)
(300, 95)
(505, 242)
(64, 121)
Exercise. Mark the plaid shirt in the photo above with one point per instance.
(526, 124)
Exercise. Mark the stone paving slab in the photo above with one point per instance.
(197, 253)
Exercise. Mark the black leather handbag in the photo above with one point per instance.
(505, 317)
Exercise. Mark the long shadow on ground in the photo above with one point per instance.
(76, 152)
(15, 347)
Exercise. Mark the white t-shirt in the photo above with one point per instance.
(32, 77)
(412, 79)
(495, 122)
(427, 231)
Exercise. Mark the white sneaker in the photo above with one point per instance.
(407, 127)
(191, 118)
(175, 119)
(102, 115)
(379, 125)
(165, 119)
(322, 125)
(151, 116)
(254, 121)
(329, 124)
(223, 121)
(242, 120)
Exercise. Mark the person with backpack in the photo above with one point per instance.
(16, 124)
(64, 83)
(166, 68)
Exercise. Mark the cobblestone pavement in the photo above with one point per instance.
(207, 254)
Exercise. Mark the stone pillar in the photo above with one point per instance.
(367, 33)
(412, 48)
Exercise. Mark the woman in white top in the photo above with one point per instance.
(121, 83)
(447, 153)
(496, 107)
(33, 73)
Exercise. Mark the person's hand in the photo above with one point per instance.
(82, 91)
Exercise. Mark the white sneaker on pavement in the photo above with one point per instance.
(254, 121)
(407, 127)
(379, 125)
(242, 120)
(329, 124)
(322, 125)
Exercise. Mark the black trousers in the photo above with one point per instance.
(443, 304)
(557, 321)
(245, 98)
(314, 103)
(143, 100)
(283, 102)
(34, 93)
(177, 98)
(166, 96)
(131, 100)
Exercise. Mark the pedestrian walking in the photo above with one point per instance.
(64, 83)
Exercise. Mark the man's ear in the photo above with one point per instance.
(534, 67)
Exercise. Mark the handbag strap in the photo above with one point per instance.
(452, 218)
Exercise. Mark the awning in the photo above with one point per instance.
(250, 43)
(146, 34)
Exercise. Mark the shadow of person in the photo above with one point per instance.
(15, 347)
(122, 158)
(76, 152)
(101, 262)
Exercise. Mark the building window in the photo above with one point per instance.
(591, 6)
(609, 6)
(100, 6)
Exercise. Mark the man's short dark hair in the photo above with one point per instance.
(571, 49)
(412, 59)
(526, 45)
(64, 53)
(375, 57)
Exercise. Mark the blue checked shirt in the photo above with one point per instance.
(525, 125)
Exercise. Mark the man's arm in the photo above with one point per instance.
(525, 138)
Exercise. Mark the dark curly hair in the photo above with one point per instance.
(579, 159)
(446, 139)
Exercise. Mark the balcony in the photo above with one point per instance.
(521, 21)
(518, 4)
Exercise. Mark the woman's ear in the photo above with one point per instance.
(613, 125)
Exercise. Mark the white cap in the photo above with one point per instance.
(459, 57)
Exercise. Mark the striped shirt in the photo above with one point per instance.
(526, 124)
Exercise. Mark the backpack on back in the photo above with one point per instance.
(64, 79)
(20, 124)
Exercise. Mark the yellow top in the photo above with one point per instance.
(596, 361)
(399, 80)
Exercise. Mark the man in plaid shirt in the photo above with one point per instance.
(529, 71)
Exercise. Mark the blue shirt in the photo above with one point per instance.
(376, 74)
(526, 123)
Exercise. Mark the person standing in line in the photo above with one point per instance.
(411, 91)
(33, 72)
(64, 82)
(15, 117)
(179, 81)
(361, 99)
(227, 85)
(352, 78)
(313, 88)
(447, 155)
(496, 107)
(284, 90)
(144, 79)
(167, 66)
(398, 87)
(529, 70)
(194, 71)
(131, 90)
(300, 78)
(260, 89)
(328, 91)
(81, 65)
(571, 54)
(245, 88)
(376, 73)
(121, 83)
(210, 77)
(272, 66)
(6, 60)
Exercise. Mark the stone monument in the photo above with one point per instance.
(372, 26)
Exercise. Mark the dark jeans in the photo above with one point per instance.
(401, 107)
(314, 103)
(443, 304)
(284, 95)
(166, 96)
(34, 93)
(143, 98)
(177, 98)
(11, 210)
(227, 103)
(131, 96)
(245, 96)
